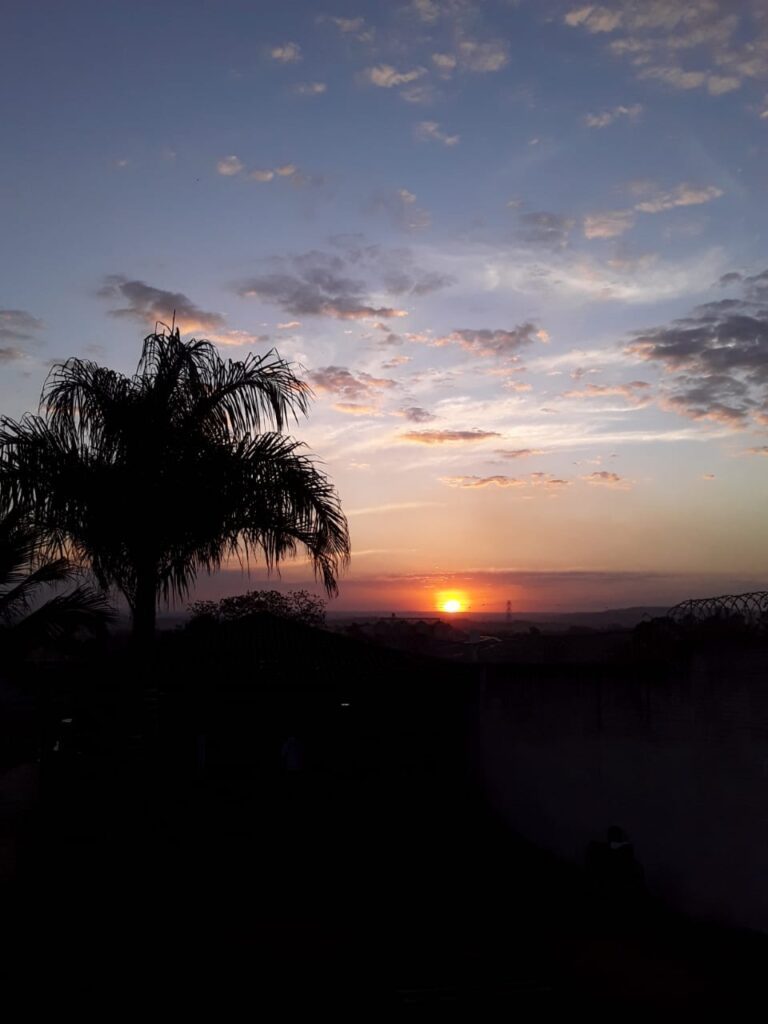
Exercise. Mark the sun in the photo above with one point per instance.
(452, 606)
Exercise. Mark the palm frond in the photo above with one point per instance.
(62, 616)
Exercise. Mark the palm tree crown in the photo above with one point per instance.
(150, 478)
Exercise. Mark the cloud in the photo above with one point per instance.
(543, 481)
(385, 76)
(610, 224)
(427, 11)
(429, 131)
(548, 481)
(340, 381)
(18, 325)
(289, 325)
(518, 453)
(551, 230)
(716, 357)
(401, 207)
(707, 476)
(713, 44)
(594, 18)
(144, 302)
(347, 25)
(310, 88)
(485, 342)
(603, 478)
(491, 55)
(636, 392)
(607, 117)
(229, 166)
(341, 284)
(355, 409)
(10, 354)
(761, 449)
(395, 361)
(678, 78)
(287, 53)
(422, 92)
(415, 414)
(236, 338)
(682, 195)
(316, 284)
(482, 481)
(391, 507)
(447, 436)
(445, 62)
(259, 174)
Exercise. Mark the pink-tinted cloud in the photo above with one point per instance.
(604, 478)
(482, 481)
(636, 392)
(447, 436)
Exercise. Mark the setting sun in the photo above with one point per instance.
(451, 602)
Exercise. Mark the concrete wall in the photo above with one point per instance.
(681, 763)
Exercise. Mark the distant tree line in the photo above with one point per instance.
(299, 605)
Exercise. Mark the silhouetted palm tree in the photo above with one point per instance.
(27, 620)
(150, 478)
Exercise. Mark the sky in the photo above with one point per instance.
(518, 248)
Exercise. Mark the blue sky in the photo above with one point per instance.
(517, 247)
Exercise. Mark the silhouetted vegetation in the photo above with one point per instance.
(149, 479)
(34, 611)
(297, 604)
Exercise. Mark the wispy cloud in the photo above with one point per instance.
(385, 76)
(402, 208)
(713, 45)
(286, 53)
(607, 117)
(518, 453)
(430, 131)
(18, 325)
(478, 482)
(447, 436)
(610, 224)
(636, 392)
(685, 194)
(356, 409)
(310, 88)
(396, 506)
(542, 227)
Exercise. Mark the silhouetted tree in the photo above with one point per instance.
(296, 604)
(32, 614)
(150, 478)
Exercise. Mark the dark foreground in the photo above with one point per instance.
(375, 876)
(326, 890)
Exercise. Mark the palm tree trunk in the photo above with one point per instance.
(145, 609)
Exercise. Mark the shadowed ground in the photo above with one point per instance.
(336, 890)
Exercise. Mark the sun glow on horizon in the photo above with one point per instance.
(451, 602)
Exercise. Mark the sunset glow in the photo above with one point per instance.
(473, 239)
(452, 602)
